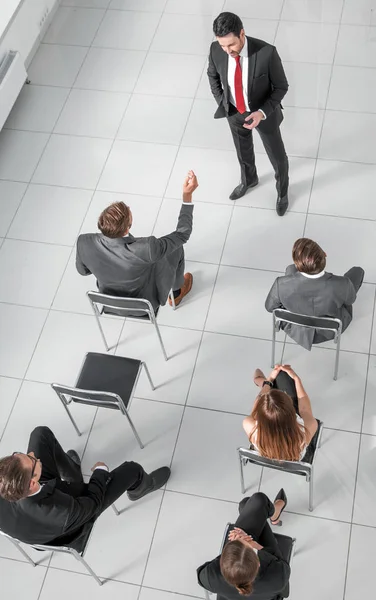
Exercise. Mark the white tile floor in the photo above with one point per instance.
(119, 108)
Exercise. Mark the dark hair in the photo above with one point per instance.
(308, 256)
(239, 566)
(14, 479)
(227, 23)
(279, 434)
(115, 220)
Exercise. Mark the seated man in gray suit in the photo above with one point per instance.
(138, 267)
(307, 289)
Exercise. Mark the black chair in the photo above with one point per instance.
(302, 467)
(286, 545)
(75, 545)
(281, 315)
(105, 381)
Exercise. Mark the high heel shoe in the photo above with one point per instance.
(280, 496)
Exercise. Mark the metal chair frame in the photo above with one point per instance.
(288, 466)
(68, 395)
(63, 549)
(145, 309)
(224, 537)
(336, 329)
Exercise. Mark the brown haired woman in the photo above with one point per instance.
(281, 424)
(251, 565)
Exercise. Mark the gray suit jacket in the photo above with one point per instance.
(143, 267)
(328, 296)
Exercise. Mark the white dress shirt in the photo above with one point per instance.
(313, 276)
(231, 77)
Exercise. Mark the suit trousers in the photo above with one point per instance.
(179, 277)
(56, 464)
(274, 148)
(253, 515)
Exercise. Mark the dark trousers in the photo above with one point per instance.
(179, 277)
(274, 148)
(56, 464)
(286, 384)
(254, 513)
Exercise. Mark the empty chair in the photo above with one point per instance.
(281, 315)
(105, 381)
(75, 545)
(130, 308)
(286, 545)
(248, 455)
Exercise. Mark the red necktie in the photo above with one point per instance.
(239, 97)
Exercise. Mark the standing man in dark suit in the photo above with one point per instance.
(44, 500)
(248, 82)
(138, 267)
(307, 289)
(251, 564)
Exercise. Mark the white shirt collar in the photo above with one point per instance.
(244, 50)
(313, 276)
(35, 493)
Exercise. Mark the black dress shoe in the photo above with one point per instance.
(242, 189)
(74, 456)
(282, 204)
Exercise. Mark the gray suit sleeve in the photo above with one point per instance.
(214, 79)
(351, 293)
(160, 247)
(81, 268)
(279, 84)
(272, 301)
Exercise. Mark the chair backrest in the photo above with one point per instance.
(289, 466)
(90, 397)
(123, 307)
(327, 323)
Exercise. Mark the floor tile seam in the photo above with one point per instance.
(12, 409)
(187, 393)
(324, 116)
(278, 21)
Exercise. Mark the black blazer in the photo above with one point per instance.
(271, 580)
(53, 513)
(267, 83)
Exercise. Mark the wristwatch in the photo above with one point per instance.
(266, 382)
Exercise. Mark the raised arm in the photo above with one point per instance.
(160, 247)
(279, 84)
(304, 403)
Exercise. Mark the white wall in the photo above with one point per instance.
(25, 31)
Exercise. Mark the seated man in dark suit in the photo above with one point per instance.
(251, 564)
(307, 289)
(44, 500)
(138, 267)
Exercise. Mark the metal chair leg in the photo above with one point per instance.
(134, 430)
(25, 554)
(273, 344)
(115, 510)
(337, 358)
(88, 568)
(70, 416)
(310, 501)
(242, 487)
(171, 294)
(148, 376)
(96, 315)
(160, 338)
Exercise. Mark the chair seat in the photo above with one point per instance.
(108, 373)
(285, 543)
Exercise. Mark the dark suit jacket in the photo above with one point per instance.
(328, 296)
(267, 83)
(272, 578)
(53, 513)
(142, 267)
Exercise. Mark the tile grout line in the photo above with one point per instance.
(198, 348)
(324, 117)
(358, 458)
